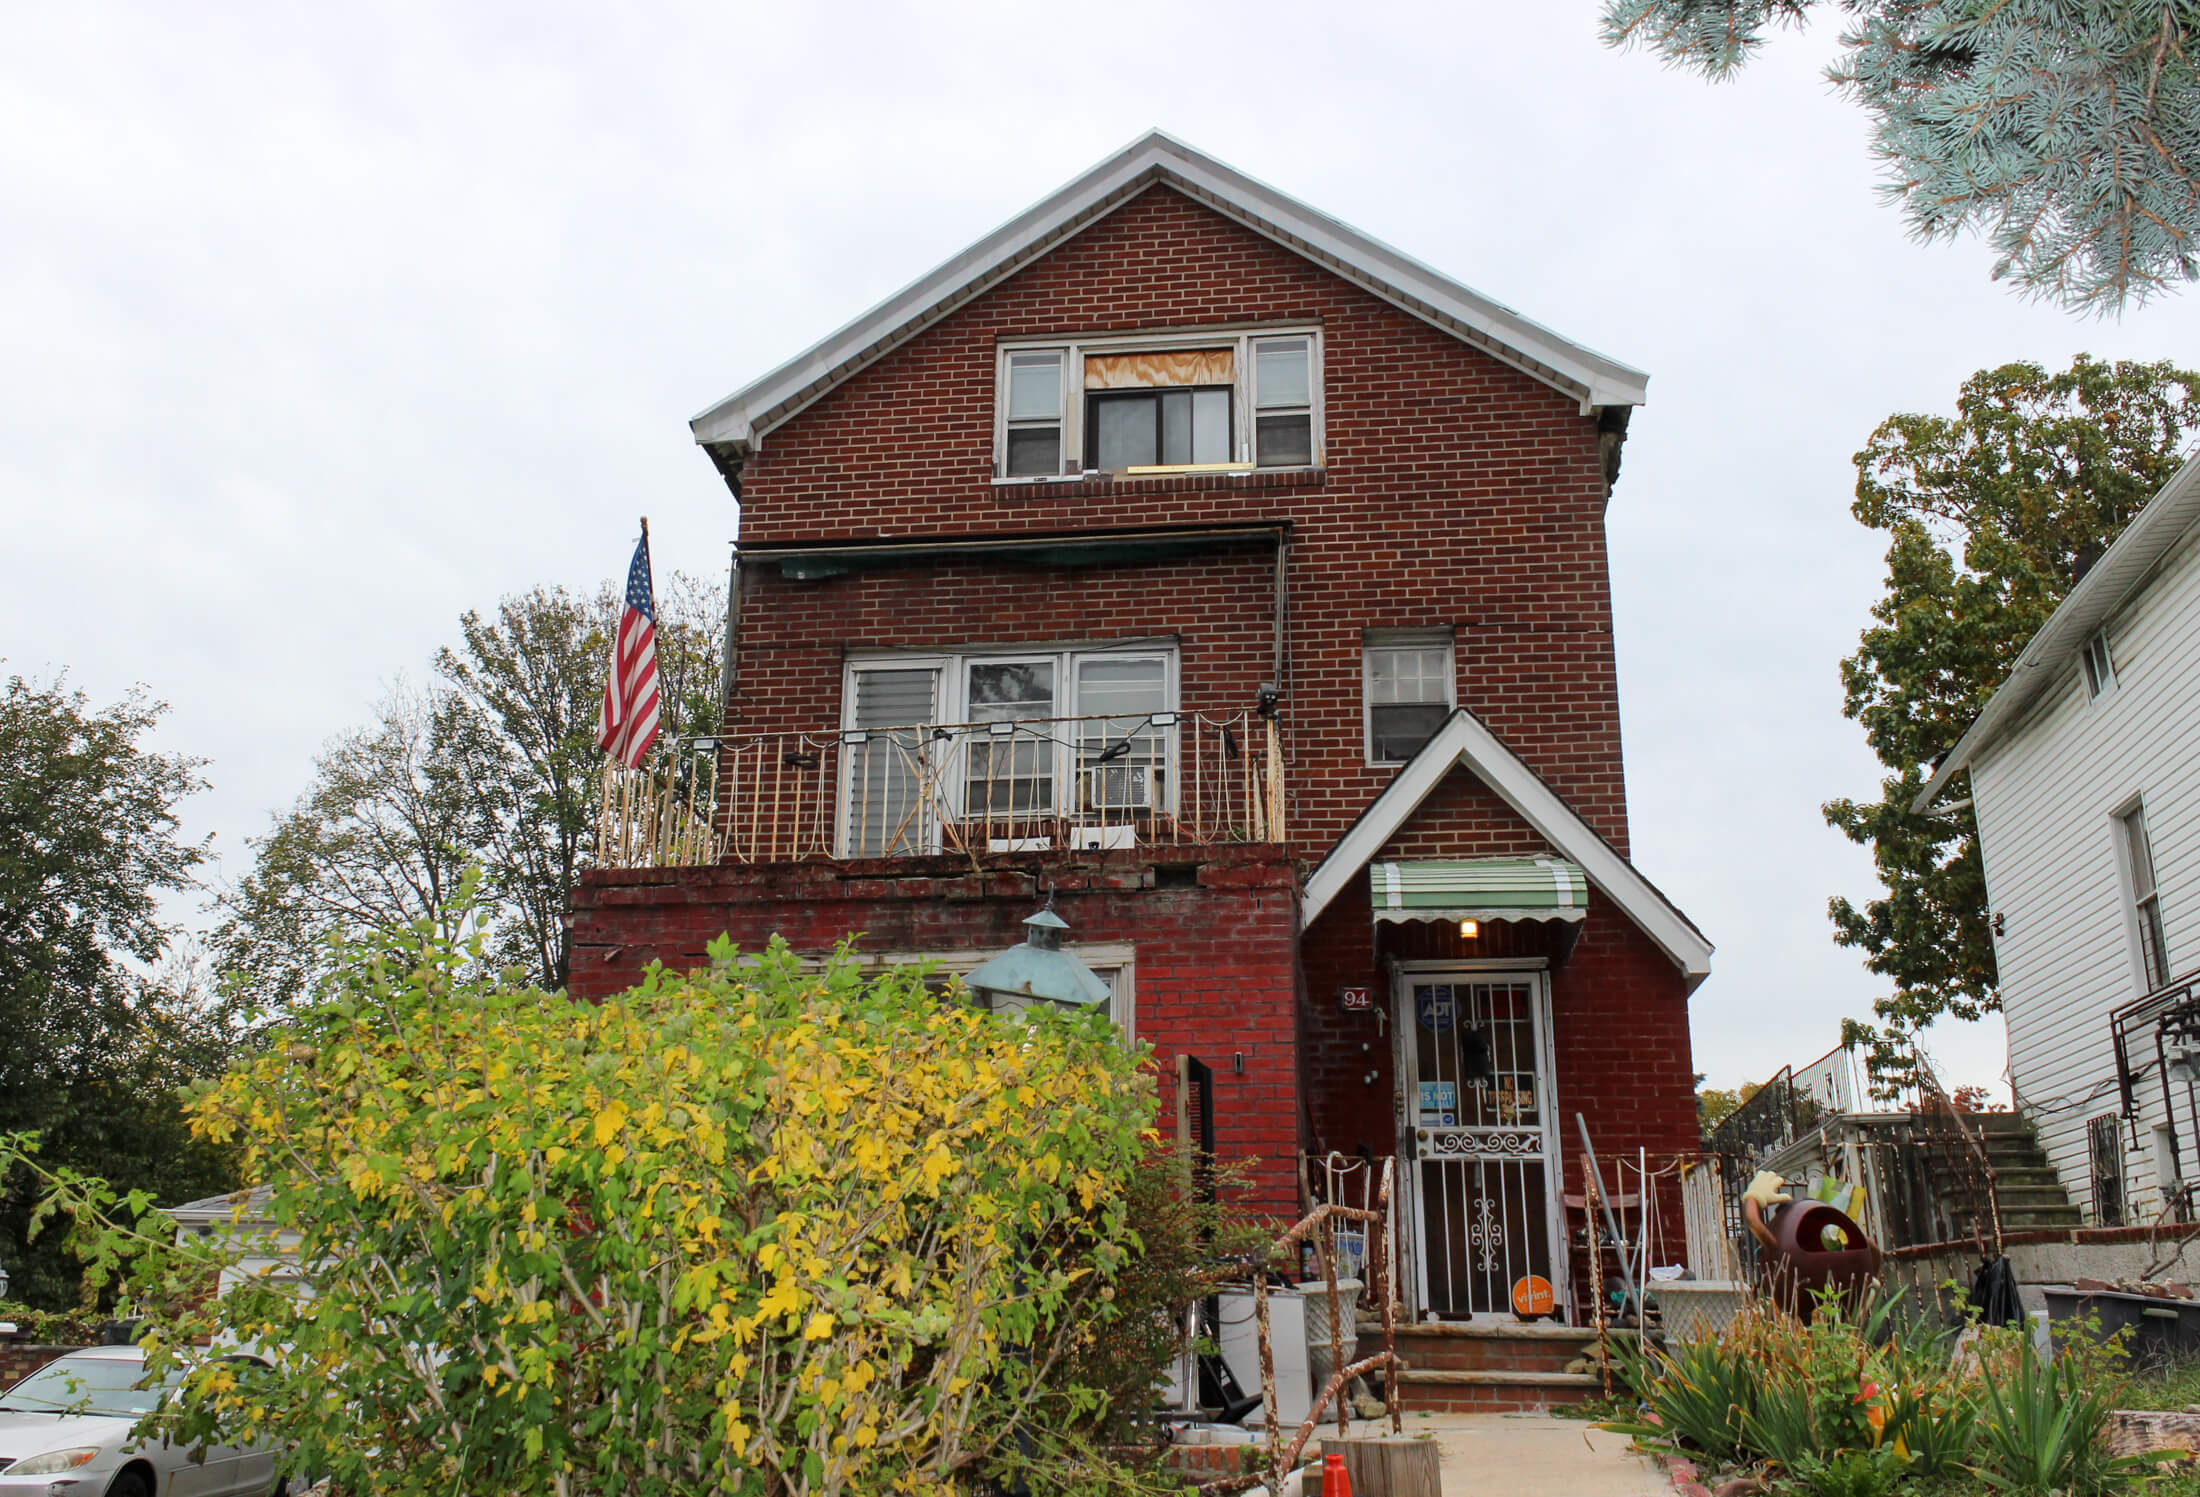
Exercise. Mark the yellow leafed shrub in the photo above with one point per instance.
(754, 1229)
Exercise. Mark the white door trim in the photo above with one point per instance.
(1537, 969)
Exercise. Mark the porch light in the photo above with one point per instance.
(1469, 929)
(1038, 971)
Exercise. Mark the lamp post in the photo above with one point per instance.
(1037, 971)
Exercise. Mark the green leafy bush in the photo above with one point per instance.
(2041, 1430)
(750, 1230)
(1698, 1397)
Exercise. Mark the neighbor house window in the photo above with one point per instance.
(2100, 670)
(2146, 902)
(1160, 401)
(1024, 751)
(1407, 690)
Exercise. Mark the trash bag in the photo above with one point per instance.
(1994, 1293)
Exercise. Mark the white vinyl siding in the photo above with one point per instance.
(2049, 797)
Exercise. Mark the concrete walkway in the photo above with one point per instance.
(1529, 1455)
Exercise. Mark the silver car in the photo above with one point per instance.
(65, 1432)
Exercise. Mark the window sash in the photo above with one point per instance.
(1183, 426)
(1408, 688)
(2100, 665)
(882, 772)
(2146, 903)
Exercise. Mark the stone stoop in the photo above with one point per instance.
(1488, 1365)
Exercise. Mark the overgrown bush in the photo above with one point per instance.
(756, 1229)
(1186, 1246)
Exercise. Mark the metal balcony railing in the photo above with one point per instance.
(1171, 779)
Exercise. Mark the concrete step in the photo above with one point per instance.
(1498, 1347)
(1470, 1392)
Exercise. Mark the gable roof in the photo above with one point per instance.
(2121, 574)
(1466, 741)
(740, 420)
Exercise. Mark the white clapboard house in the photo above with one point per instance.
(2085, 778)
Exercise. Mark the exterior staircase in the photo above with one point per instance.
(1482, 1366)
(2030, 1194)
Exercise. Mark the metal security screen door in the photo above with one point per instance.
(1474, 1055)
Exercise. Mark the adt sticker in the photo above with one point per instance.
(1433, 1006)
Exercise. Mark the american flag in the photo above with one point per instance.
(628, 724)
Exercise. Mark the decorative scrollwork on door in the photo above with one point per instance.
(1481, 1143)
(1487, 1235)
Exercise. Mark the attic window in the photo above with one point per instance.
(2100, 670)
(1159, 402)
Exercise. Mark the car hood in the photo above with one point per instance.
(33, 1434)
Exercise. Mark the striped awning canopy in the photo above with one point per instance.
(1480, 889)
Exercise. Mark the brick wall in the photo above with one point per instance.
(1457, 492)
(1215, 971)
(19, 1359)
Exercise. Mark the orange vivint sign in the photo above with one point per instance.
(1532, 1297)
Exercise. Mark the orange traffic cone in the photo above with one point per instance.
(1336, 1481)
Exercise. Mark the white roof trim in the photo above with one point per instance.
(1464, 740)
(2121, 573)
(743, 417)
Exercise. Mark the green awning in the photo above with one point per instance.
(1480, 889)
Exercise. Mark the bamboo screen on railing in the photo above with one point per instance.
(1074, 784)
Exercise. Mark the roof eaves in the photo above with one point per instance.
(2123, 570)
(1466, 740)
(1594, 379)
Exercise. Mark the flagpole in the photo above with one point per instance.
(649, 567)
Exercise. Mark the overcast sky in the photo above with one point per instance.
(324, 324)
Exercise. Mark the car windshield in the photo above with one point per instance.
(88, 1385)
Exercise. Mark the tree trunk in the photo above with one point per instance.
(1387, 1465)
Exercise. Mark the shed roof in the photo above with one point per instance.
(738, 422)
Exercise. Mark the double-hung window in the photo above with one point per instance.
(1033, 410)
(1407, 690)
(1160, 402)
(1015, 750)
(2146, 900)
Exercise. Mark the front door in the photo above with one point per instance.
(1474, 1057)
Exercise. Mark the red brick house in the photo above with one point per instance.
(1185, 553)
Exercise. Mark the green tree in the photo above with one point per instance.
(2067, 133)
(101, 1017)
(1714, 1104)
(492, 763)
(761, 1229)
(1992, 515)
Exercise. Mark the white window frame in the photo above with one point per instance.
(2144, 956)
(2097, 663)
(1401, 639)
(951, 699)
(1241, 342)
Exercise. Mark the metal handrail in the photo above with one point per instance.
(1092, 783)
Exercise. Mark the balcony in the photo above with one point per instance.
(973, 789)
